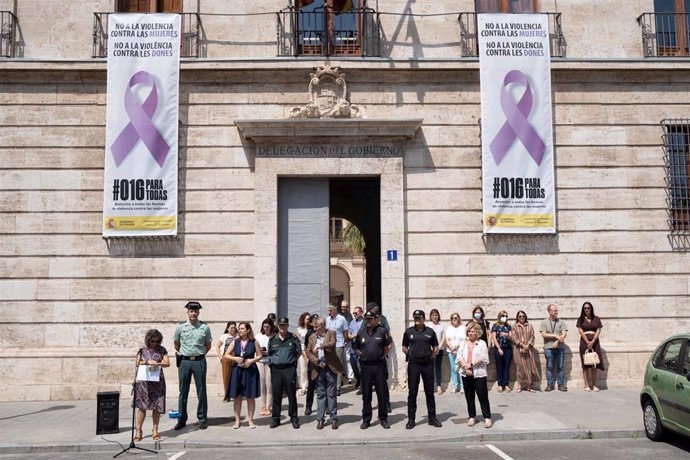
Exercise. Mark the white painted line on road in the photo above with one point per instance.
(499, 452)
(177, 455)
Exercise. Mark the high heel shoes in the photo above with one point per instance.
(155, 436)
(139, 435)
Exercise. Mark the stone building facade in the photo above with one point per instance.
(74, 306)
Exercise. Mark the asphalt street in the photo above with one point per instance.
(676, 448)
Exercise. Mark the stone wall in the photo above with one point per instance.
(75, 306)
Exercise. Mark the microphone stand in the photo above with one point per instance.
(134, 408)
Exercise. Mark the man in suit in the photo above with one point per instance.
(326, 366)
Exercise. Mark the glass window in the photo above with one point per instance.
(330, 26)
(672, 25)
(677, 146)
(667, 358)
(686, 361)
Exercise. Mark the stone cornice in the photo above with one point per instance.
(562, 64)
(268, 131)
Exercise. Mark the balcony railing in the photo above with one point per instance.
(323, 32)
(468, 35)
(665, 34)
(8, 34)
(190, 44)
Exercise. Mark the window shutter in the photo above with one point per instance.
(170, 6)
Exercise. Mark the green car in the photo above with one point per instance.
(665, 398)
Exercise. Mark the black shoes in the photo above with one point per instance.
(295, 424)
(384, 424)
(549, 387)
(180, 425)
(203, 425)
(334, 425)
(435, 422)
(307, 411)
(364, 425)
(275, 423)
(562, 387)
(319, 425)
(410, 424)
(359, 391)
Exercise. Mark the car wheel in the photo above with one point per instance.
(652, 424)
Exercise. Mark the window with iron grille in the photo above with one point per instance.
(677, 161)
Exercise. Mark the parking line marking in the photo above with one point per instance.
(499, 452)
(177, 455)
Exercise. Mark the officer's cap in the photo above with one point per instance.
(283, 320)
(371, 305)
(193, 305)
(418, 314)
(370, 314)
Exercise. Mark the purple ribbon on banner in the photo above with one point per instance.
(140, 125)
(517, 125)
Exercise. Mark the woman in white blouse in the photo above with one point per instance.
(438, 328)
(264, 366)
(455, 337)
(472, 360)
(302, 328)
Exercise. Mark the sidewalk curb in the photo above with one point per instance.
(494, 436)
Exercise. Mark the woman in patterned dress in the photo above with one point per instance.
(151, 395)
(522, 335)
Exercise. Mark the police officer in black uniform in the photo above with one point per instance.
(372, 344)
(420, 347)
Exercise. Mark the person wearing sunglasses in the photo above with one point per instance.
(455, 336)
(522, 335)
(150, 395)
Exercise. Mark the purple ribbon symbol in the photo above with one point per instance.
(517, 125)
(140, 125)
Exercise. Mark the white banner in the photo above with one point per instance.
(517, 140)
(141, 132)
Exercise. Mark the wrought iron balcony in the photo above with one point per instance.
(468, 35)
(190, 44)
(665, 34)
(323, 32)
(8, 34)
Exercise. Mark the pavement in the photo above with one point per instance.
(70, 426)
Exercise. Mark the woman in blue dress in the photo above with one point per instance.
(244, 379)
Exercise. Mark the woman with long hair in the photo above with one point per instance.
(479, 318)
(522, 336)
(244, 379)
(589, 326)
(264, 365)
(151, 395)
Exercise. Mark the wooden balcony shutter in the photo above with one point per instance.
(135, 6)
(170, 6)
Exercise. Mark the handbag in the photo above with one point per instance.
(590, 358)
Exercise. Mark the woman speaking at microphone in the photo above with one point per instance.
(151, 395)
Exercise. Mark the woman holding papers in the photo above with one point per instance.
(150, 394)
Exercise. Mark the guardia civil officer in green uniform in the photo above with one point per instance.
(192, 341)
(284, 349)
(372, 344)
(420, 345)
